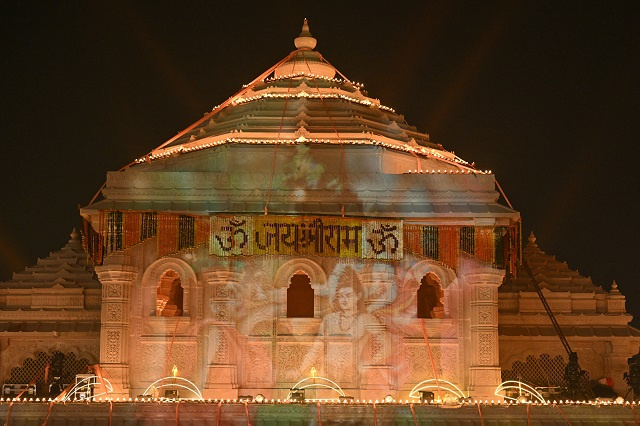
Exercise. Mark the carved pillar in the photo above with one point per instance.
(117, 279)
(485, 376)
(221, 350)
(375, 369)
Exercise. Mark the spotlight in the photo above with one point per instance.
(259, 398)
(297, 395)
(171, 394)
(426, 396)
(388, 399)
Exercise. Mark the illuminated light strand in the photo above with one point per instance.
(196, 391)
(334, 386)
(465, 402)
(311, 75)
(449, 171)
(400, 146)
(366, 101)
(426, 384)
(519, 386)
(300, 92)
(87, 382)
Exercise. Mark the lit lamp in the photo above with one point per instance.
(172, 393)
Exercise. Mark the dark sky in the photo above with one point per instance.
(545, 94)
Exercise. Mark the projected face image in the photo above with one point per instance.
(344, 300)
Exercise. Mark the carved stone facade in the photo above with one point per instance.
(364, 334)
(53, 306)
(482, 287)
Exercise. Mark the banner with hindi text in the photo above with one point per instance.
(306, 235)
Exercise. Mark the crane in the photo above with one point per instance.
(573, 374)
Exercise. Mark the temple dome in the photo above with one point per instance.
(299, 142)
(304, 59)
(303, 99)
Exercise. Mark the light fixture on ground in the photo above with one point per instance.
(296, 395)
(426, 396)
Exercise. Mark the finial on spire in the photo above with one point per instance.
(532, 238)
(74, 234)
(614, 287)
(305, 40)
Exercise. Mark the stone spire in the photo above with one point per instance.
(305, 40)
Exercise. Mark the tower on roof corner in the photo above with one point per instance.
(305, 40)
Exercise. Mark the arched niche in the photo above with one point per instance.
(430, 297)
(429, 272)
(317, 280)
(309, 267)
(300, 297)
(415, 274)
(161, 269)
(169, 295)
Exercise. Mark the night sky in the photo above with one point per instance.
(545, 94)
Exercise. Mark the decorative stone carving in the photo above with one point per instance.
(221, 351)
(485, 348)
(376, 344)
(377, 292)
(257, 363)
(114, 312)
(114, 290)
(260, 307)
(341, 366)
(221, 312)
(375, 377)
(484, 293)
(153, 360)
(113, 346)
(223, 291)
(418, 367)
(294, 360)
(485, 315)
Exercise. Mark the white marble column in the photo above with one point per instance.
(376, 370)
(221, 351)
(117, 279)
(484, 374)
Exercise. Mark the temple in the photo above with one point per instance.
(302, 229)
